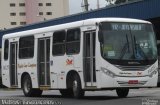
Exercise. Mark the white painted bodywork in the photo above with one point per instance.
(59, 69)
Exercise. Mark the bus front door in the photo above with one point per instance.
(89, 58)
(44, 61)
(13, 64)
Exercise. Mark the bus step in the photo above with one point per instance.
(45, 87)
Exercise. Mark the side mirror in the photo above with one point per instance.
(100, 36)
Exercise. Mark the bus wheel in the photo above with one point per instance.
(76, 87)
(27, 88)
(122, 92)
(66, 92)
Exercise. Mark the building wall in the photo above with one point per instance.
(6, 10)
(33, 11)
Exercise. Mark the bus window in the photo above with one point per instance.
(58, 43)
(6, 45)
(73, 41)
(26, 47)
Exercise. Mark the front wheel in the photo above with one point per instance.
(122, 92)
(27, 87)
(76, 87)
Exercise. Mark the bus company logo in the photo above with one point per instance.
(139, 73)
(125, 73)
(69, 62)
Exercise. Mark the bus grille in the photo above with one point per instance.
(133, 68)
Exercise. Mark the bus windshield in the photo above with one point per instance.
(128, 42)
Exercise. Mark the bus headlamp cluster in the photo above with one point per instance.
(108, 72)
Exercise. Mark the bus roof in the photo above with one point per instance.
(87, 22)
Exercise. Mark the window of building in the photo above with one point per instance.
(49, 13)
(21, 4)
(48, 4)
(13, 14)
(26, 47)
(22, 14)
(40, 4)
(40, 13)
(13, 23)
(58, 43)
(73, 41)
(6, 46)
(12, 4)
(22, 23)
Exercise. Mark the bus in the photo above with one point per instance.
(88, 55)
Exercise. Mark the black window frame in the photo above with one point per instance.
(70, 42)
(60, 43)
(12, 4)
(40, 13)
(13, 23)
(25, 46)
(23, 23)
(40, 4)
(49, 13)
(12, 14)
(48, 4)
(22, 4)
(22, 14)
(6, 51)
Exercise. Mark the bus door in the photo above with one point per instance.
(13, 64)
(44, 61)
(89, 58)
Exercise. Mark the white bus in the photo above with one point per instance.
(88, 55)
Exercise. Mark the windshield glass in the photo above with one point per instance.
(128, 41)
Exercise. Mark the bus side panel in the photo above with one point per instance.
(58, 71)
(28, 66)
(5, 68)
(98, 63)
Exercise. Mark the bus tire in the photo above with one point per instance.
(27, 88)
(122, 92)
(76, 87)
(66, 92)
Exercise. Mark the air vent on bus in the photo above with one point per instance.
(133, 68)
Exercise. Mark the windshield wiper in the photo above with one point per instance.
(124, 49)
(139, 53)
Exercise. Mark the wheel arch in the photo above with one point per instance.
(68, 77)
(22, 77)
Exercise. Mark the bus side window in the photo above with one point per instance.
(26, 47)
(73, 41)
(6, 46)
(58, 43)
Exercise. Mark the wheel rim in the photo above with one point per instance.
(75, 86)
(27, 86)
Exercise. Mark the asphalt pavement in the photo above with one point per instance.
(149, 96)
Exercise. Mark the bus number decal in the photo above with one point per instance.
(6, 67)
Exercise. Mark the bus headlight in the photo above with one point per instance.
(153, 72)
(108, 72)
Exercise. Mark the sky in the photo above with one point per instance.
(75, 5)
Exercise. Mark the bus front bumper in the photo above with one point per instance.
(130, 82)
